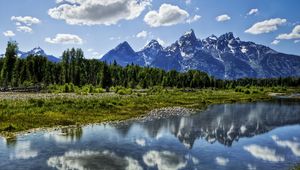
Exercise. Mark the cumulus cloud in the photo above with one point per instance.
(295, 34)
(263, 153)
(266, 26)
(167, 15)
(194, 19)
(222, 161)
(293, 146)
(23, 151)
(86, 160)
(253, 11)
(24, 29)
(95, 12)
(223, 18)
(9, 33)
(164, 160)
(275, 42)
(27, 20)
(64, 39)
(142, 34)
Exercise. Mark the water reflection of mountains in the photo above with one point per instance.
(225, 123)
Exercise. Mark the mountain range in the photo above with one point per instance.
(224, 57)
(36, 51)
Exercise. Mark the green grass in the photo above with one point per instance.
(23, 114)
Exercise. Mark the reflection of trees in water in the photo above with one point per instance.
(227, 123)
(72, 133)
(11, 142)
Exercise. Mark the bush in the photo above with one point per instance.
(99, 90)
(66, 88)
(156, 89)
(247, 92)
(122, 90)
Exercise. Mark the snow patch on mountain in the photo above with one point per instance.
(225, 57)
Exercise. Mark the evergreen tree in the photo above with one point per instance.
(106, 81)
(9, 61)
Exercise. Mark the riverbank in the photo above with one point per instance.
(24, 111)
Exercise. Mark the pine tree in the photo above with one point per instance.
(106, 81)
(9, 61)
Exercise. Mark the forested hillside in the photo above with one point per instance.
(75, 69)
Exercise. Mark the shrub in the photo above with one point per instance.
(66, 88)
(122, 90)
(99, 90)
(247, 92)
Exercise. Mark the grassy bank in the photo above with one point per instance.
(20, 111)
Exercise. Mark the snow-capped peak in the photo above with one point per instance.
(189, 35)
(37, 51)
(190, 32)
(227, 36)
(154, 45)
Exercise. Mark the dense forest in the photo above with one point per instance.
(75, 69)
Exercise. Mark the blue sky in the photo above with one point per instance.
(97, 26)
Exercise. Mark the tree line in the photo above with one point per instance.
(75, 69)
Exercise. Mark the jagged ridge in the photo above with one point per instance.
(225, 57)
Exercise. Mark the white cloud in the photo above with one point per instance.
(296, 41)
(188, 1)
(64, 39)
(164, 160)
(95, 12)
(141, 142)
(142, 34)
(295, 34)
(114, 38)
(9, 33)
(223, 18)
(167, 15)
(266, 26)
(222, 161)
(263, 153)
(253, 11)
(24, 29)
(82, 160)
(293, 146)
(27, 20)
(95, 53)
(275, 42)
(193, 19)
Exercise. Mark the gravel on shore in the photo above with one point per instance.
(162, 113)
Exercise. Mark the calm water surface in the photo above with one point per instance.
(262, 135)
